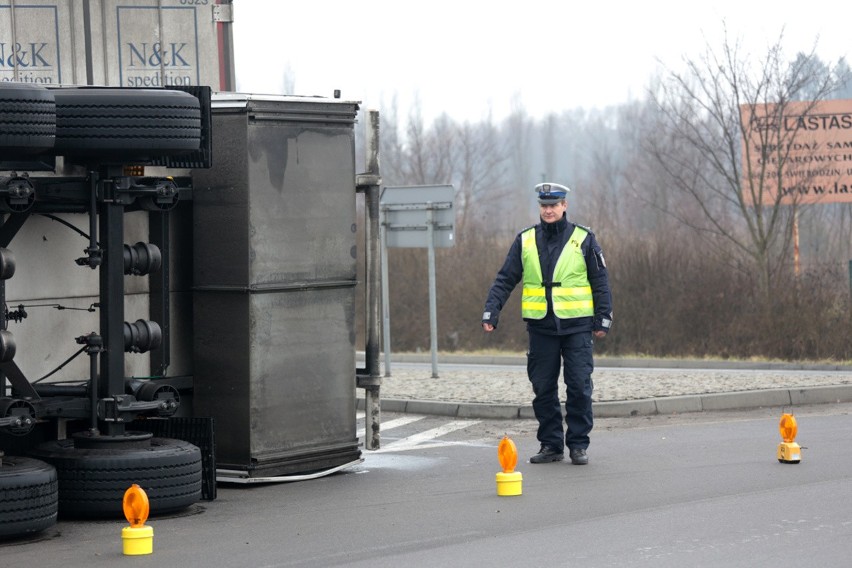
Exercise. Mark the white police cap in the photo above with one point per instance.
(550, 193)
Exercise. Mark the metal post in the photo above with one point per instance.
(796, 269)
(372, 400)
(373, 276)
(372, 418)
(386, 341)
(433, 303)
(371, 380)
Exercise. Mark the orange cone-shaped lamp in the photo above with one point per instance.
(788, 450)
(138, 538)
(508, 481)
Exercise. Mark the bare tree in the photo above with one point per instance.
(392, 145)
(481, 168)
(705, 112)
(518, 132)
(470, 156)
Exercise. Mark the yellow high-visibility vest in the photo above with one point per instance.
(571, 292)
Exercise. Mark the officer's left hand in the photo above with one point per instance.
(600, 334)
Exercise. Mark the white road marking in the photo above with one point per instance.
(419, 440)
(430, 445)
(390, 424)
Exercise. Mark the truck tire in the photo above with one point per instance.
(125, 125)
(92, 481)
(29, 496)
(27, 120)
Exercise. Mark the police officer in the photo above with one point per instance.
(566, 303)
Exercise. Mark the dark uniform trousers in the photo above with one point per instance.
(573, 353)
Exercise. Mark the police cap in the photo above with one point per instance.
(550, 193)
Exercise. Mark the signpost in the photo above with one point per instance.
(416, 216)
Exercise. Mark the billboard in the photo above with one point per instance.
(800, 152)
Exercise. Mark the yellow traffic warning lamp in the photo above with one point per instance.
(788, 450)
(508, 481)
(137, 538)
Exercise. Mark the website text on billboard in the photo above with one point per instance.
(802, 153)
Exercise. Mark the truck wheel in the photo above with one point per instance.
(126, 125)
(27, 120)
(29, 496)
(92, 481)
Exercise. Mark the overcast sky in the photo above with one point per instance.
(469, 57)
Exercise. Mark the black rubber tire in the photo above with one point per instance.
(127, 125)
(29, 496)
(27, 120)
(92, 481)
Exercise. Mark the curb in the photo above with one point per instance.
(615, 362)
(627, 408)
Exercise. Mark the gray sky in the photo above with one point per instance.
(469, 57)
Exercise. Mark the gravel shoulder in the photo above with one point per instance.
(509, 385)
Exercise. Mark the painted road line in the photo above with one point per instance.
(420, 440)
(391, 424)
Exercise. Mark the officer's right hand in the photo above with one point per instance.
(487, 327)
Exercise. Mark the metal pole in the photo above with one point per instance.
(386, 341)
(433, 304)
(371, 383)
(372, 397)
(796, 269)
(373, 276)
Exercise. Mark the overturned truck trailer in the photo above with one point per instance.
(177, 272)
(274, 275)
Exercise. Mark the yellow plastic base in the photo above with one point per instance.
(789, 452)
(137, 541)
(509, 483)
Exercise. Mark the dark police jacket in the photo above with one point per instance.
(550, 240)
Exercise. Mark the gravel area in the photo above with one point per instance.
(502, 386)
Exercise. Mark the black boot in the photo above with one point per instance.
(578, 456)
(546, 455)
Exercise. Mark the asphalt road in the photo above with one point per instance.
(703, 489)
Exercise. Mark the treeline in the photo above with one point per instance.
(694, 272)
(668, 302)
